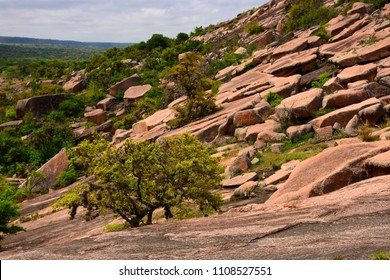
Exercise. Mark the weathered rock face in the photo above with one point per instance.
(330, 170)
(123, 85)
(106, 103)
(370, 53)
(357, 73)
(77, 83)
(97, 116)
(40, 104)
(343, 115)
(301, 105)
(296, 63)
(51, 170)
(134, 93)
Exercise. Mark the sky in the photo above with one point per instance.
(113, 20)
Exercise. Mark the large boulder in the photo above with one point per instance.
(378, 165)
(296, 63)
(376, 51)
(336, 25)
(301, 105)
(343, 115)
(77, 83)
(134, 93)
(251, 116)
(97, 116)
(330, 170)
(357, 73)
(49, 172)
(239, 180)
(106, 104)
(39, 105)
(123, 85)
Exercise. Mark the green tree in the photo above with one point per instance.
(8, 208)
(139, 178)
(189, 79)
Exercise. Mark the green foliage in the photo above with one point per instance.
(198, 31)
(67, 178)
(322, 33)
(116, 227)
(323, 79)
(269, 161)
(377, 3)
(253, 28)
(365, 134)
(273, 99)
(296, 142)
(380, 255)
(323, 112)
(8, 208)
(190, 80)
(142, 109)
(141, 177)
(308, 13)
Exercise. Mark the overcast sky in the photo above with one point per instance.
(113, 20)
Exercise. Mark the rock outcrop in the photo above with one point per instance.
(39, 105)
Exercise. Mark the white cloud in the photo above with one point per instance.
(113, 20)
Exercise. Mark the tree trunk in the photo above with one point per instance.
(150, 216)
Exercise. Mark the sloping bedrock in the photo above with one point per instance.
(343, 115)
(374, 52)
(329, 171)
(218, 124)
(296, 63)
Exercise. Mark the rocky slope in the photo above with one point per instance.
(336, 203)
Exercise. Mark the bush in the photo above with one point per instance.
(189, 79)
(141, 177)
(253, 28)
(308, 13)
(8, 208)
(323, 79)
(273, 99)
(66, 178)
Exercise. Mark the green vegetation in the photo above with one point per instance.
(380, 255)
(190, 80)
(377, 3)
(9, 194)
(116, 227)
(253, 28)
(273, 99)
(365, 134)
(323, 79)
(141, 177)
(308, 13)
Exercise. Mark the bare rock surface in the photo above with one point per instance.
(248, 232)
(304, 104)
(330, 170)
(343, 115)
(123, 85)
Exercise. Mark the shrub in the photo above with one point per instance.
(8, 208)
(253, 28)
(323, 79)
(308, 13)
(273, 99)
(66, 178)
(189, 79)
(381, 256)
(141, 177)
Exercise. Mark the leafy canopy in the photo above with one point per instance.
(189, 79)
(139, 178)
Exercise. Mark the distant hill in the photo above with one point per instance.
(66, 43)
